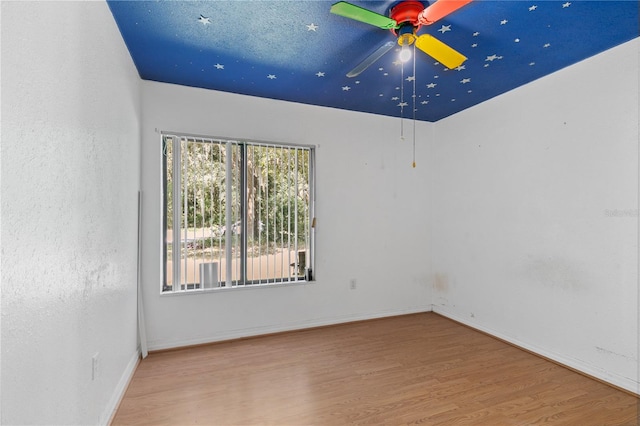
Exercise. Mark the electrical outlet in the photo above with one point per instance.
(94, 366)
(352, 284)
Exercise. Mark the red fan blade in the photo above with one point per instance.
(439, 10)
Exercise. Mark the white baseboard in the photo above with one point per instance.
(300, 325)
(622, 382)
(121, 387)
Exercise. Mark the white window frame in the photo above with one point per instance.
(297, 273)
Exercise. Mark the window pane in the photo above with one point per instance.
(277, 213)
(224, 190)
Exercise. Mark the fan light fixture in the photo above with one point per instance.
(406, 37)
(405, 54)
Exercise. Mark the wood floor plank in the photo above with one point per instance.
(416, 369)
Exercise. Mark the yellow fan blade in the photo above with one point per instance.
(439, 51)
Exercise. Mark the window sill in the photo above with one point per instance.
(234, 288)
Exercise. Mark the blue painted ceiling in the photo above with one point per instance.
(297, 51)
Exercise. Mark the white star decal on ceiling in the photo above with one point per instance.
(424, 102)
(465, 80)
(453, 100)
(357, 81)
(204, 20)
(436, 76)
(503, 22)
(346, 88)
(312, 27)
(445, 28)
(271, 77)
(532, 8)
(380, 69)
(402, 104)
(219, 66)
(476, 34)
(460, 67)
(517, 40)
(431, 85)
(395, 98)
(320, 74)
(546, 45)
(565, 5)
(474, 45)
(493, 58)
(410, 78)
(531, 64)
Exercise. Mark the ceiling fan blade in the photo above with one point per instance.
(439, 51)
(369, 60)
(358, 13)
(440, 9)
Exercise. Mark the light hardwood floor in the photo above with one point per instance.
(413, 369)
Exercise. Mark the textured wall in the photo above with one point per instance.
(70, 174)
(369, 225)
(535, 216)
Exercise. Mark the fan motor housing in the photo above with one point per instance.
(406, 13)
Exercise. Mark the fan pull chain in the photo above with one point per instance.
(401, 101)
(414, 105)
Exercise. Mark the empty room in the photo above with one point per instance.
(319, 212)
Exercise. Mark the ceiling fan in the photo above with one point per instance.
(404, 21)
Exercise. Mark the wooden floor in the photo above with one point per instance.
(414, 369)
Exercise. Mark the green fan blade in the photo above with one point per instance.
(357, 13)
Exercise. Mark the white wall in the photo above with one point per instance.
(70, 175)
(369, 226)
(526, 242)
(517, 200)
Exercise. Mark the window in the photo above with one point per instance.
(236, 213)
